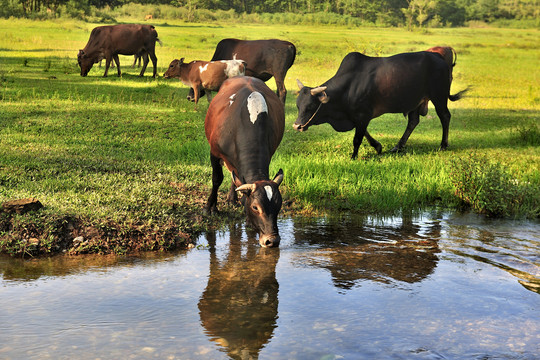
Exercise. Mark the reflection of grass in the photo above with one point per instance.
(132, 152)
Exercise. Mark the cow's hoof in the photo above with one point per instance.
(396, 149)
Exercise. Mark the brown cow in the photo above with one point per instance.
(264, 58)
(204, 75)
(244, 126)
(107, 42)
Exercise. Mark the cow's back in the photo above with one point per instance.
(391, 84)
(235, 123)
(263, 57)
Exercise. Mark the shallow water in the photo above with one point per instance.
(437, 286)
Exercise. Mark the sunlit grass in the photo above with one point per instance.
(130, 149)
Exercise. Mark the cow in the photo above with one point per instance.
(264, 58)
(244, 126)
(204, 75)
(107, 42)
(366, 87)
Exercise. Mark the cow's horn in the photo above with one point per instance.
(300, 85)
(279, 177)
(246, 187)
(318, 90)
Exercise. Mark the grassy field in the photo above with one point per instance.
(124, 162)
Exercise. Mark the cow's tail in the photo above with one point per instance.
(159, 41)
(458, 95)
(292, 48)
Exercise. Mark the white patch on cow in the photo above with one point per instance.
(256, 105)
(269, 192)
(231, 99)
(203, 68)
(233, 68)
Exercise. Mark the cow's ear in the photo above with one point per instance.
(323, 97)
(279, 177)
(181, 60)
(300, 85)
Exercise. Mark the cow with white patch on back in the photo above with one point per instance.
(244, 126)
(204, 75)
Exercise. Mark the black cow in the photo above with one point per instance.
(264, 58)
(244, 126)
(366, 87)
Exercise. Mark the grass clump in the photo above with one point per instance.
(487, 187)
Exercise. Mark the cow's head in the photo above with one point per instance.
(262, 203)
(174, 69)
(309, 102)
(85, 62)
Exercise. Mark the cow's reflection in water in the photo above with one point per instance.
(239, 306)
(353, 251)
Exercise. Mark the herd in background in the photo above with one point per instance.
(245, 121)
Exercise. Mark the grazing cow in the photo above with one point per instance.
(204, 75)
(107, 42)
(244, 126)
(264, 58)
(366, 87)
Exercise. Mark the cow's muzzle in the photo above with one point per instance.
(269, 240)
(299, 127)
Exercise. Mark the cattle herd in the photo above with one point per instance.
(245, 121)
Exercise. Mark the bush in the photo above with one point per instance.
(488, 188)
(529, 135)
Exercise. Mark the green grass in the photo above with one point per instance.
(130, 154)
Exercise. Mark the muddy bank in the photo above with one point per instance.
(27, 229)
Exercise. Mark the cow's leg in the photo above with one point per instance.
(232, 198)
(444, 116)
(196, 94)
(117, 61)
(217, 178)
(414, 119)
(154, 63)
(358, 136)
(107, 65)
(209, 96)
(145, 63)
(280, 84)
(377, 145)
(191, 94)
